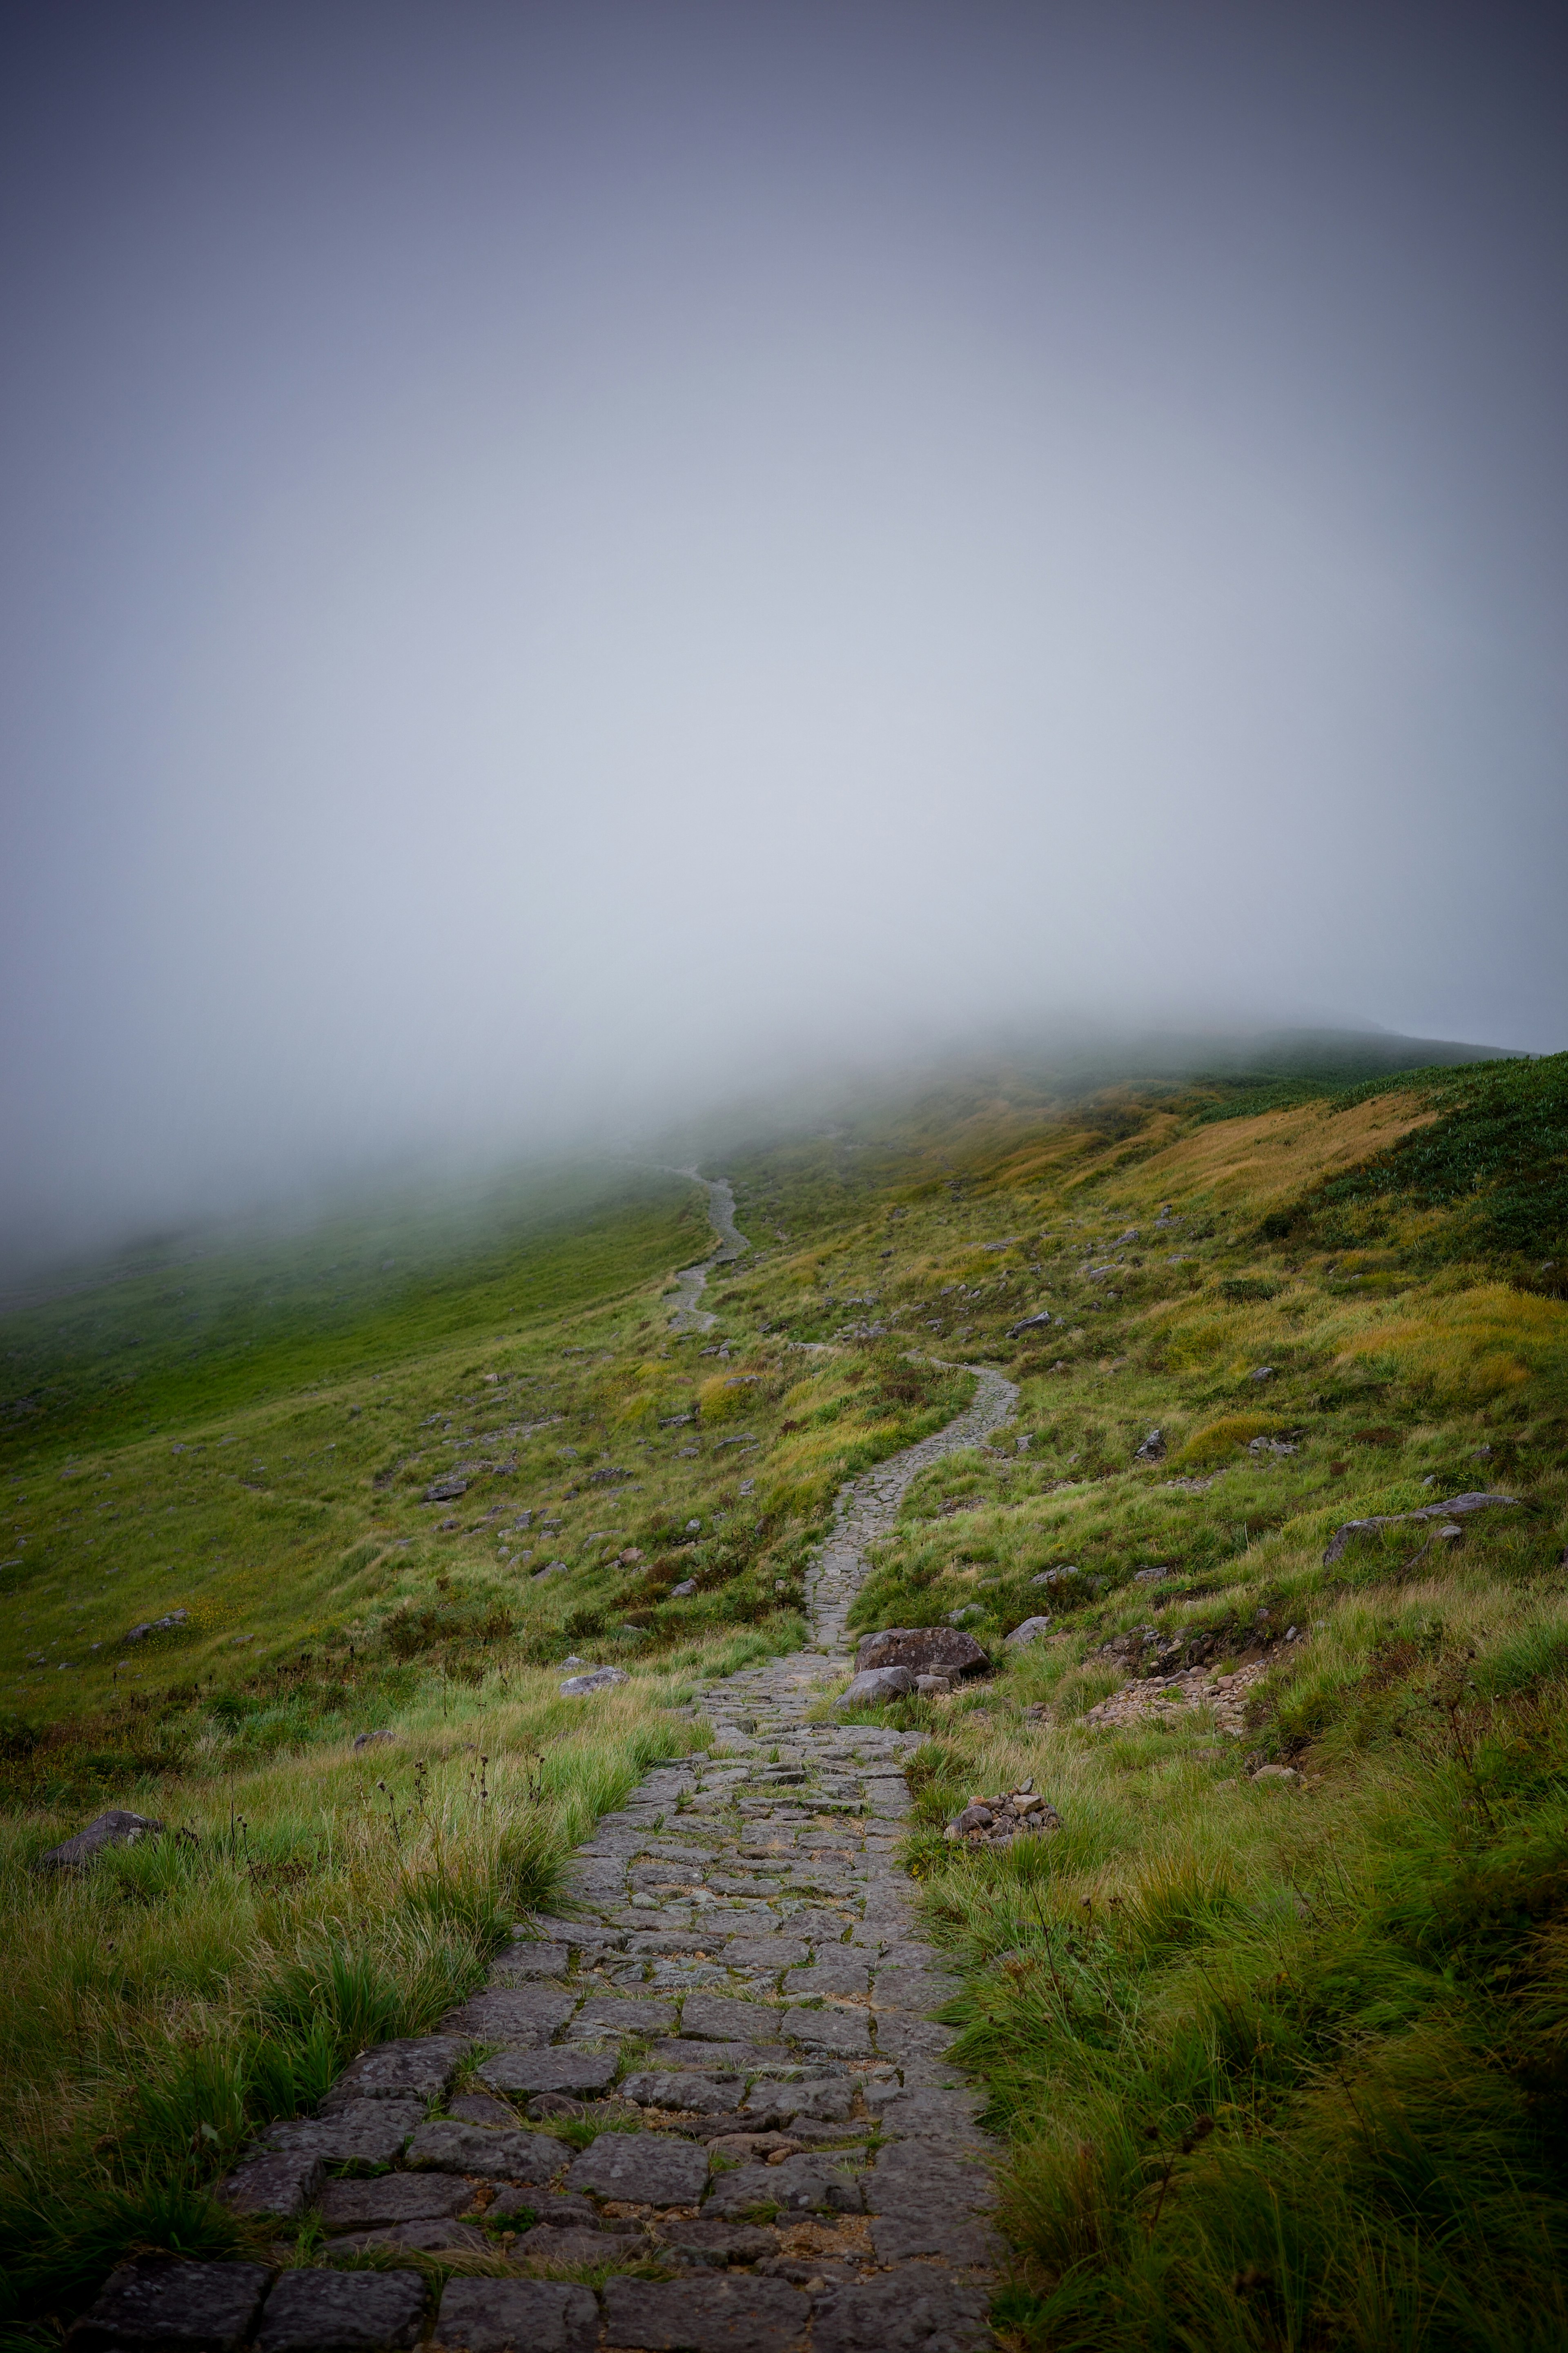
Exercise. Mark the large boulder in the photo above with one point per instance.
(877, 1684)
(116, 1828)
(924, 1650)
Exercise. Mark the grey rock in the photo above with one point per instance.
(684, 2090)
(711, 2240)
(1155, 1575)
(159, 2304)
(156, 1626)
(740, 2314)
(933, 1686)
(714, 2018)
(488, 2316)
(644, 2168)
(845, 2032)
(578, 1936)
(1454, 1504)
(801, 2185)
(597, 1679)
(372, 1739)
(1029, 1632)
(449, 2146)
(915, 2312)
(392, 2198)
(530, 2014)
(483, 2108)
(579, 2073)
(274, 2184)
(362, 2132)
(343, 2312)
(876, 1686)
(521, 1962)
(428, 2235)
(447, 1489)
(421, 2066)
(605, 2016)
(1153, 1448)
(924, 1650)
(1028, 1324)
(115, 1828)
(825, 2099)
(566, 2248)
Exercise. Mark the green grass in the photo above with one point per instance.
(1276, 2064)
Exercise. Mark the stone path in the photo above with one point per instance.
(691, 1280)
(740, 1999)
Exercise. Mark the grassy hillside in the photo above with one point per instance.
(1279, 2060)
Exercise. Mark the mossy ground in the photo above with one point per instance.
(1279, 2064)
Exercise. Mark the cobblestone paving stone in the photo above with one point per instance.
(742, 1955)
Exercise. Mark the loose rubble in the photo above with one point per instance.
(996, 1821)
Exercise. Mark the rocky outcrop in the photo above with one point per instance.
(925, 1650)
(116, 1828)
(1456, 1506)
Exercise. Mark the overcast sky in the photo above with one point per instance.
(549, 553)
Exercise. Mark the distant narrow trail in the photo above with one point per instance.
(743, 1967)
(691, 1280)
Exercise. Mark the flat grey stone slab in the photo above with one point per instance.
(449, 2146)
(578, 1936)
(115, 1828)
(520, 1962)
(847, 2032)
(364, 2132)
(840, 1969)
(428, 2235)
(682, 2089)
(935, 2231)
(643, 2169)
(159, 2304)
(915, 1990)
(899, 2036)
(712, 2058)
(343, 2312)
(715, 2018)
(742, 2314)
(516, 2317)
(910, 2175)
(602, 2014)
(578, 2073)
(530, 2013)
(564, 2248)
(778, 1952)
(390, 2198)
(483, 2108)
(711, 2240)
(916, 2311)
(822, 2099)
(420, 2067)
(276, 2184)
(801, 2185)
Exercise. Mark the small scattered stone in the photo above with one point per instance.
(1029, 1632)
(372, 1739)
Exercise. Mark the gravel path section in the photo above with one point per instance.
(738, 1996)
(690, 1281)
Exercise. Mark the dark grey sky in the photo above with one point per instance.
(553, 554)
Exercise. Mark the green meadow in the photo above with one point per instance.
(1277, 2061)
